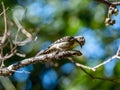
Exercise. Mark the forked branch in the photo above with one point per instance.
(117, 56)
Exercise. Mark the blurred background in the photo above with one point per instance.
(50, 20)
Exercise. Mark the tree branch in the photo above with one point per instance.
(6, 71)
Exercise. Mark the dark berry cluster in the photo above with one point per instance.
(111, 11)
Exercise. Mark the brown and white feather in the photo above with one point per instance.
(64, 44)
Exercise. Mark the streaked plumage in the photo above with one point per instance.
(64, 44)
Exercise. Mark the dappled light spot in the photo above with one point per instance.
(67, 68)
(24, 2)
(109, 67)
(93, 47)
(49, 79)
(18, 12)
(21, 77)
(37, 13)
(23, 73)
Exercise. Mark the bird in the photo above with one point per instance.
(64, 44)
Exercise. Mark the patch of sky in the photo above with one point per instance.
(40, 12)
(27, 48)
(21, 74)
(93, 48)
(111, 32)
(109, 67)
(114, 46)
(24, 2)
(67, 68)
(45, 45)
(49, 79)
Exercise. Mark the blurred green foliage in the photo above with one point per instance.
(50, 20)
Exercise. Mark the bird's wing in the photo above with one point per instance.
(64, 39)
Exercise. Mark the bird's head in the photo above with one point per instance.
(80, 40)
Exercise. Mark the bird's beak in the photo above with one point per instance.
(80, 45)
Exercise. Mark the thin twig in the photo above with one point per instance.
(105, 62)
(118, 52)
(113, 80)
(16, 36)
(83, 66)
(25, 32)
(109, 60)
(3, 11)
(5, 24)
(99, 65)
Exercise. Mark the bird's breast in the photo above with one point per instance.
(64, 45)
